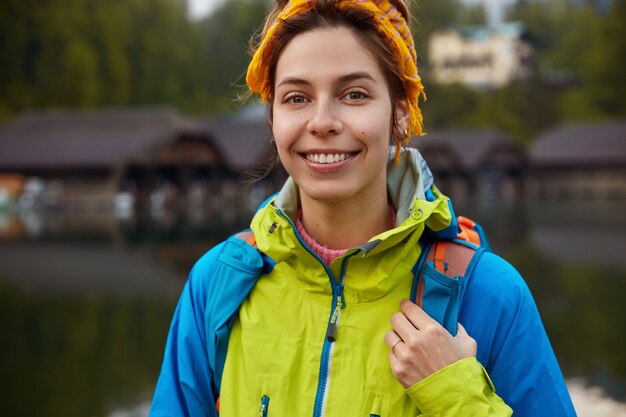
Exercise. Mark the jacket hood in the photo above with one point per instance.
(408, 182)
(410, 189)
(421, 209)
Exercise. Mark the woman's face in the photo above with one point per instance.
(332, 117)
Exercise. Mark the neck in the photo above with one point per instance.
(345, 224)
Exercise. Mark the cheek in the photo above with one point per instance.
(284, 136)
(377, 136)
(374, 124)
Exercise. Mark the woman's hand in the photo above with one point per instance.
(420, 346)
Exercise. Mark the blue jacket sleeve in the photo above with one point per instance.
(184, 385)
(500, 313)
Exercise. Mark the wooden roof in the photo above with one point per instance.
(468, 150)
(243, 143)
(594, 143)
(99, 138)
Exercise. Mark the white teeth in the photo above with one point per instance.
(327, 158)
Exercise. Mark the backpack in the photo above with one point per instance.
(443, 269)
(440, 276)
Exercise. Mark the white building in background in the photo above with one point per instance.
(480, 56)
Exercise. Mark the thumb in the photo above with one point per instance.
(461, 332)
(467, 341)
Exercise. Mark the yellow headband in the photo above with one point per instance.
(391, 26)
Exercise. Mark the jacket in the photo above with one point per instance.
(280, 360)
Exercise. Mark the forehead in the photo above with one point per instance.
(327, 54)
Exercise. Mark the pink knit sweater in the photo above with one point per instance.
(328, 255)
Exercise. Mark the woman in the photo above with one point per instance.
(327, 329)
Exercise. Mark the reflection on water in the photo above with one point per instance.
(78, 355)
(574, 261)
(85, 305)
(86, 300)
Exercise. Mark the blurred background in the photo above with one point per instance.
(124, 150)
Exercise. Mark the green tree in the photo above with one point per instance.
(86, 53)
(228, 32)
(110, 33)
(449, 106)
(78, 83)
(606, 64)
(472, 14)
(94, 53)
(157, 50)
(521, 109)
(428, 16)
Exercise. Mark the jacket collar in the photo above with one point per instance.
(419, 205)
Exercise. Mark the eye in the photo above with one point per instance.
(295, 99)
(355, 95)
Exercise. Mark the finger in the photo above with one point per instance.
(394, 362)
(416, 315)
(391, 338)
(403, 326)
(467, 342)
(461, 332)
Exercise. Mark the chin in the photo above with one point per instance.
(327, 193)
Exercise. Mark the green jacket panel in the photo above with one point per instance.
(279, 358)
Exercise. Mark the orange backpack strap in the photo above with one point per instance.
(468, 231)
(439, 249)
(452, 259)
(248, 237)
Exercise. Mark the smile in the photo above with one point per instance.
(321, 158)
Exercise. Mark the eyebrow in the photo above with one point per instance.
(341, 80)
(356, 76)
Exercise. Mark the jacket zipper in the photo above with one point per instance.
(339, 303)
(265, 403)
(331, 334)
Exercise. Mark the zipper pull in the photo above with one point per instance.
(332, 332)
(273, 227)
(265, 402)
(332, 327)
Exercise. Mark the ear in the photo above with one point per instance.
(402, 117)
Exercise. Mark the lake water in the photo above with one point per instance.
(86, 300)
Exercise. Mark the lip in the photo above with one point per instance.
(325, 168)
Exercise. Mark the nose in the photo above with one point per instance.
(324, 121)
